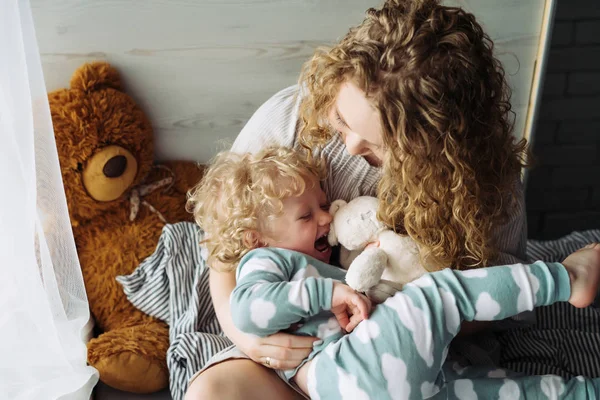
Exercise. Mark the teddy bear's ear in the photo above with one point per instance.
(96, 76)
(335, 206)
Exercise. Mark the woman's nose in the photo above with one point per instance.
(354, 144)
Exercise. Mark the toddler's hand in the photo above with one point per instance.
(348, 306)
(583, 267)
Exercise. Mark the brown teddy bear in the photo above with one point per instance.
(119, 201)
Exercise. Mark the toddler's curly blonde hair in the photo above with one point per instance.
(242, 193)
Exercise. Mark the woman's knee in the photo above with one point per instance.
(239, 379)
(205, 386)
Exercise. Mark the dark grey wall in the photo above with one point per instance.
(563, 190)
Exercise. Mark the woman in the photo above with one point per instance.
(411, 106)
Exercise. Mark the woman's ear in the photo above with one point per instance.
(252, 239)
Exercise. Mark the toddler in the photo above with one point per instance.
(267, 213)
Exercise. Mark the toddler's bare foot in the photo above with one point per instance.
(583, 267)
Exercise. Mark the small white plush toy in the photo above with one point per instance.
(377, 270)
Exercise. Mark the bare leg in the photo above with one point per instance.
(240, 379)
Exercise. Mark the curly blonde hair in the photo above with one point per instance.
(241, 193)
(451, 165)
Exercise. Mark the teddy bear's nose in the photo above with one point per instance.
(115, 167)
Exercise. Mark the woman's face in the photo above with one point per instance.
(358, 122)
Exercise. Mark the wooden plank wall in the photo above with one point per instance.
(201, 67)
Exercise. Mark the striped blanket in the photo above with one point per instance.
(172, 284)
(565, 340)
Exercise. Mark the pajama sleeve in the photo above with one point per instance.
(270, 296)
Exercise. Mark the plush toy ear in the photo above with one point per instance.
(333, 208)
(95, 76)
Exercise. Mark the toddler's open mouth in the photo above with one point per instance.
(321, 244)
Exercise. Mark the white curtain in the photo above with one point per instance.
(44, 315)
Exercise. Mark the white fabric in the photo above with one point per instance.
(43, 307)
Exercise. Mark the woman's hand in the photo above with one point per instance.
(348, 306)
(278, 351)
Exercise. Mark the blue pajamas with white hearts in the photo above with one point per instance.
(400, 351)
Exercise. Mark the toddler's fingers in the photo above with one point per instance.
(363, 305)
(354, 321)
(342, 318)
(369, 302)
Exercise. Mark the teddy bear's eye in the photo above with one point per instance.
(79, 167)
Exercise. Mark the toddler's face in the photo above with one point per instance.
(303, 225)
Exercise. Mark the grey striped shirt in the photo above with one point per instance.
(276, 123)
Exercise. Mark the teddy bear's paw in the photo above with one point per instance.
(132, 359)
(366, 269)
(381, 291)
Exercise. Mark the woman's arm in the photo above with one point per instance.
(273, 124)
(221, 286)
(511, 238)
